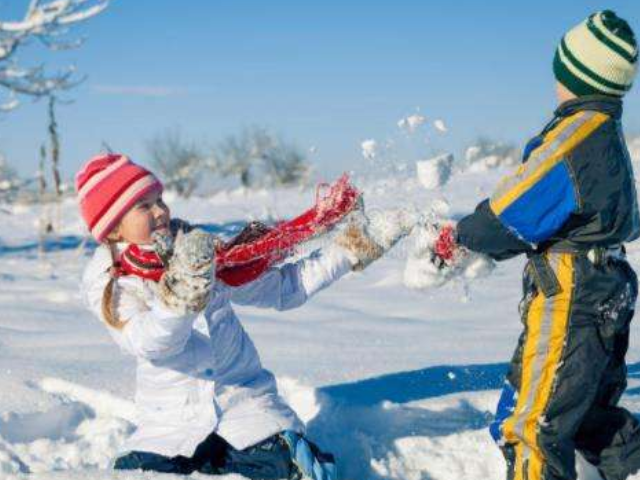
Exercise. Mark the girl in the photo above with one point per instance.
(204, 402)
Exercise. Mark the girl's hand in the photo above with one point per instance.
(369, 236)
(163, 241)
(190, 276)
(357, 241)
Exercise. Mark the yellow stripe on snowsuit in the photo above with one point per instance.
(560, 141)
(547, 326)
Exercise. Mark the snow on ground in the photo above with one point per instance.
(398, 383)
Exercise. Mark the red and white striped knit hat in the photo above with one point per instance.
(108, 186)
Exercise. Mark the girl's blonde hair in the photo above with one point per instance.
(108, 307)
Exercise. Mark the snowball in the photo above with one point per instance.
(435, 172)
(422, 273)
(411, 123)
(478, 266)
(440, 208)
(369, 149)
(440, 126)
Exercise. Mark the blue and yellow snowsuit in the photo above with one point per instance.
(569, 207)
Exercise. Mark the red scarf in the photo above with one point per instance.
(141, 263)
(258, 247)
(147, 264)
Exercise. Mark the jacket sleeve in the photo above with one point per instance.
(527, 208)
(152, 331)
(292, 284)
(483, 232)
(531, 205)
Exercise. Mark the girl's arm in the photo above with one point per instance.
(158, 325)
(290, 285)
(152, 331)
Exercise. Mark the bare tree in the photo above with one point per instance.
(42, 178)
(9, 182)
(286, 165)
(179, 163)
(237, 155)
(54, 138)
(48, 22)
(259, 158)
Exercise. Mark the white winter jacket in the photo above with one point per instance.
(201, 373)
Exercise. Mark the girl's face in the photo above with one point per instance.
(150, 214)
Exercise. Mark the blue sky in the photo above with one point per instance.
(325, 73)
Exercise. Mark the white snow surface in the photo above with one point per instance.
(398, 383)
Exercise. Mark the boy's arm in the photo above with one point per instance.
(483, 232)
(292, 284)
(534, 203)
(527, 208)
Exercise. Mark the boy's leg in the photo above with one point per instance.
(609, 436)
(559, 367)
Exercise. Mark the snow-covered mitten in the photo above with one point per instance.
(369, 236)
(359, 243)
(186, 285)
(388, 227)
(163, 243)
(445, 247)
(436, 258)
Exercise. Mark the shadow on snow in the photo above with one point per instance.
(360, 421)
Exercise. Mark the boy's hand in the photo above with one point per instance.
(445, 246)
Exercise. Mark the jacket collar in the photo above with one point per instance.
(600, 103)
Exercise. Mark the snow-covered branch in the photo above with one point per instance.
(48, 22)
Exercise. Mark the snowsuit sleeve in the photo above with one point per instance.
(290, 285)
(531, 205)
(152, 331)
(483, 232)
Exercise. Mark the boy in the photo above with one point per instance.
(570, 207)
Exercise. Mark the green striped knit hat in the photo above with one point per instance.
(599, 56)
